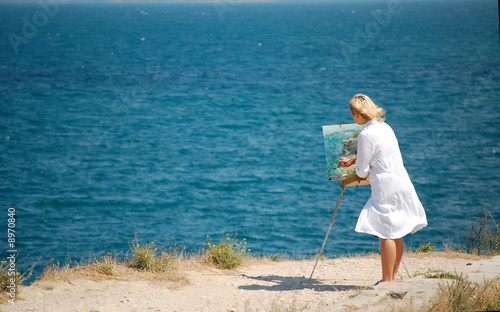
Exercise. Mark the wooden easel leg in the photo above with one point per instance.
(331, 224)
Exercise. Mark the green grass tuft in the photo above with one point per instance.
(445, 275)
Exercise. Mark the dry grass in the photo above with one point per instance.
(449, 254)
(113, 268)
(92, 268)
(197, 261)
(121, 271)
(483, 237)
(460, 295)
(109, 267)
(250, 260)
(4, 297)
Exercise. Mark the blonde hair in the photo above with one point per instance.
(363, 105)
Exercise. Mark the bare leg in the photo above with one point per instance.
(391, 252)
(400, 247)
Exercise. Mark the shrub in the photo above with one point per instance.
(484, 235)
(6, 276)
(227, 254)
(429, 247)
(276, 258)
(147, 257)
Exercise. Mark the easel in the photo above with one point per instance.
(352, 181)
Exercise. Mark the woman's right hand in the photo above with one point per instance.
(346, 162)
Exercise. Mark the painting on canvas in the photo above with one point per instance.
(340, 141)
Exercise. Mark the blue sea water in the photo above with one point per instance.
(177, 121)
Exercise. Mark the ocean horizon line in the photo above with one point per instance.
(221, 2)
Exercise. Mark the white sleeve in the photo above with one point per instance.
(364, 156)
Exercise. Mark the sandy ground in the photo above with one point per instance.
(258, 285)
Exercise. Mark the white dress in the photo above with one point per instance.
(393, 209)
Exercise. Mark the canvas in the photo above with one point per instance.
(340, 141)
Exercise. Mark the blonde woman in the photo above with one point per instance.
(393, 209)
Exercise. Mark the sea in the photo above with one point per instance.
(168, 122)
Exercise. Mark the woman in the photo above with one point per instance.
(393, 209)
